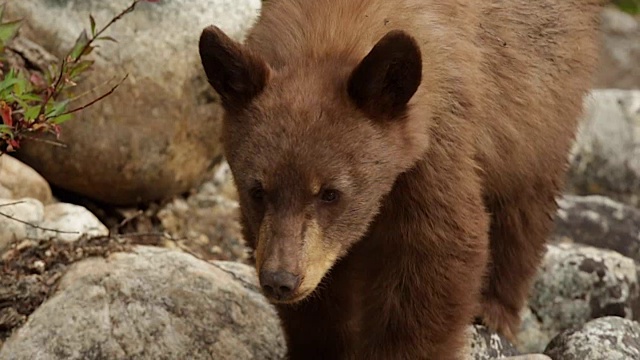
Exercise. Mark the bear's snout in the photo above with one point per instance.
(279, 285)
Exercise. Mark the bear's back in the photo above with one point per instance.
(518, 68)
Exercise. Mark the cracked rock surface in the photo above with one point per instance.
(151, 303)
(611, 338)
(601, 222)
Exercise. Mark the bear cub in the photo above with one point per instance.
(397, 161)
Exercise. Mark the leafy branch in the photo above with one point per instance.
(33, 104)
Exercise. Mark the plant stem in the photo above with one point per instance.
(96, 99)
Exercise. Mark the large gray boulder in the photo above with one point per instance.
(620, 50)
(151, 304)
(158, 134)
(605, 159)
(610, 338)
(600, 222)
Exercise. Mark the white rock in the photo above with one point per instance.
(70, 222)
(29, 219)
(18, 180)
(5, 193)
(15, 217)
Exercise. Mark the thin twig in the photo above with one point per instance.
(54, 90)
(36, 226)
(84, 48)
(157, 234)
(128, 219)
(49, 142)
(79, 108)
(87, 92)
(12, 203)
(113, 20)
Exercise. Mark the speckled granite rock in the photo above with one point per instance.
(531, 335)
(577, 283)
(486, 345)
(606, 338)
(151, 304)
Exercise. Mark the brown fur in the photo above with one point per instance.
(442, 127)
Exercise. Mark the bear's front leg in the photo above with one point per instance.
(320, 326)
(423, 266)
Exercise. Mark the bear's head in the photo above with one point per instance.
(314, 147)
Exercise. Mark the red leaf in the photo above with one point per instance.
(5, 113)
(37, 80)
(57, 129)
(13, 144)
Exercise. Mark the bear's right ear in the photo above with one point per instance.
(233, 71)
(388, 77)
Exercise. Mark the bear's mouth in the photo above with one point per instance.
(296, 298)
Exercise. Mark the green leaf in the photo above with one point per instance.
(78, 48)
(80, 67)
(9, 80)
(30, 97)
(8, 30)
(630, 6)
(8, 83)
(57, 108)
(5, 129)
(60, 119)
(21, 103)
(93, 25)
(20, 87)
(107, 38)
(2, 10)
(31, 112)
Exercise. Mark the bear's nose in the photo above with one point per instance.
(279, 285)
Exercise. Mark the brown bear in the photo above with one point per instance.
(397, 161)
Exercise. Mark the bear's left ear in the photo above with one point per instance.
(233, 71)
(388, 77)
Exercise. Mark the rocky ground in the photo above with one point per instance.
(82, 277)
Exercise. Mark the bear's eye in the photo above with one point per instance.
(329, 196)
(257, 193)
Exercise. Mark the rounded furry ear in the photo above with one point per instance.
(232, 70)
(388, 77)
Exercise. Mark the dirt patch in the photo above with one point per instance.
(31, 270)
